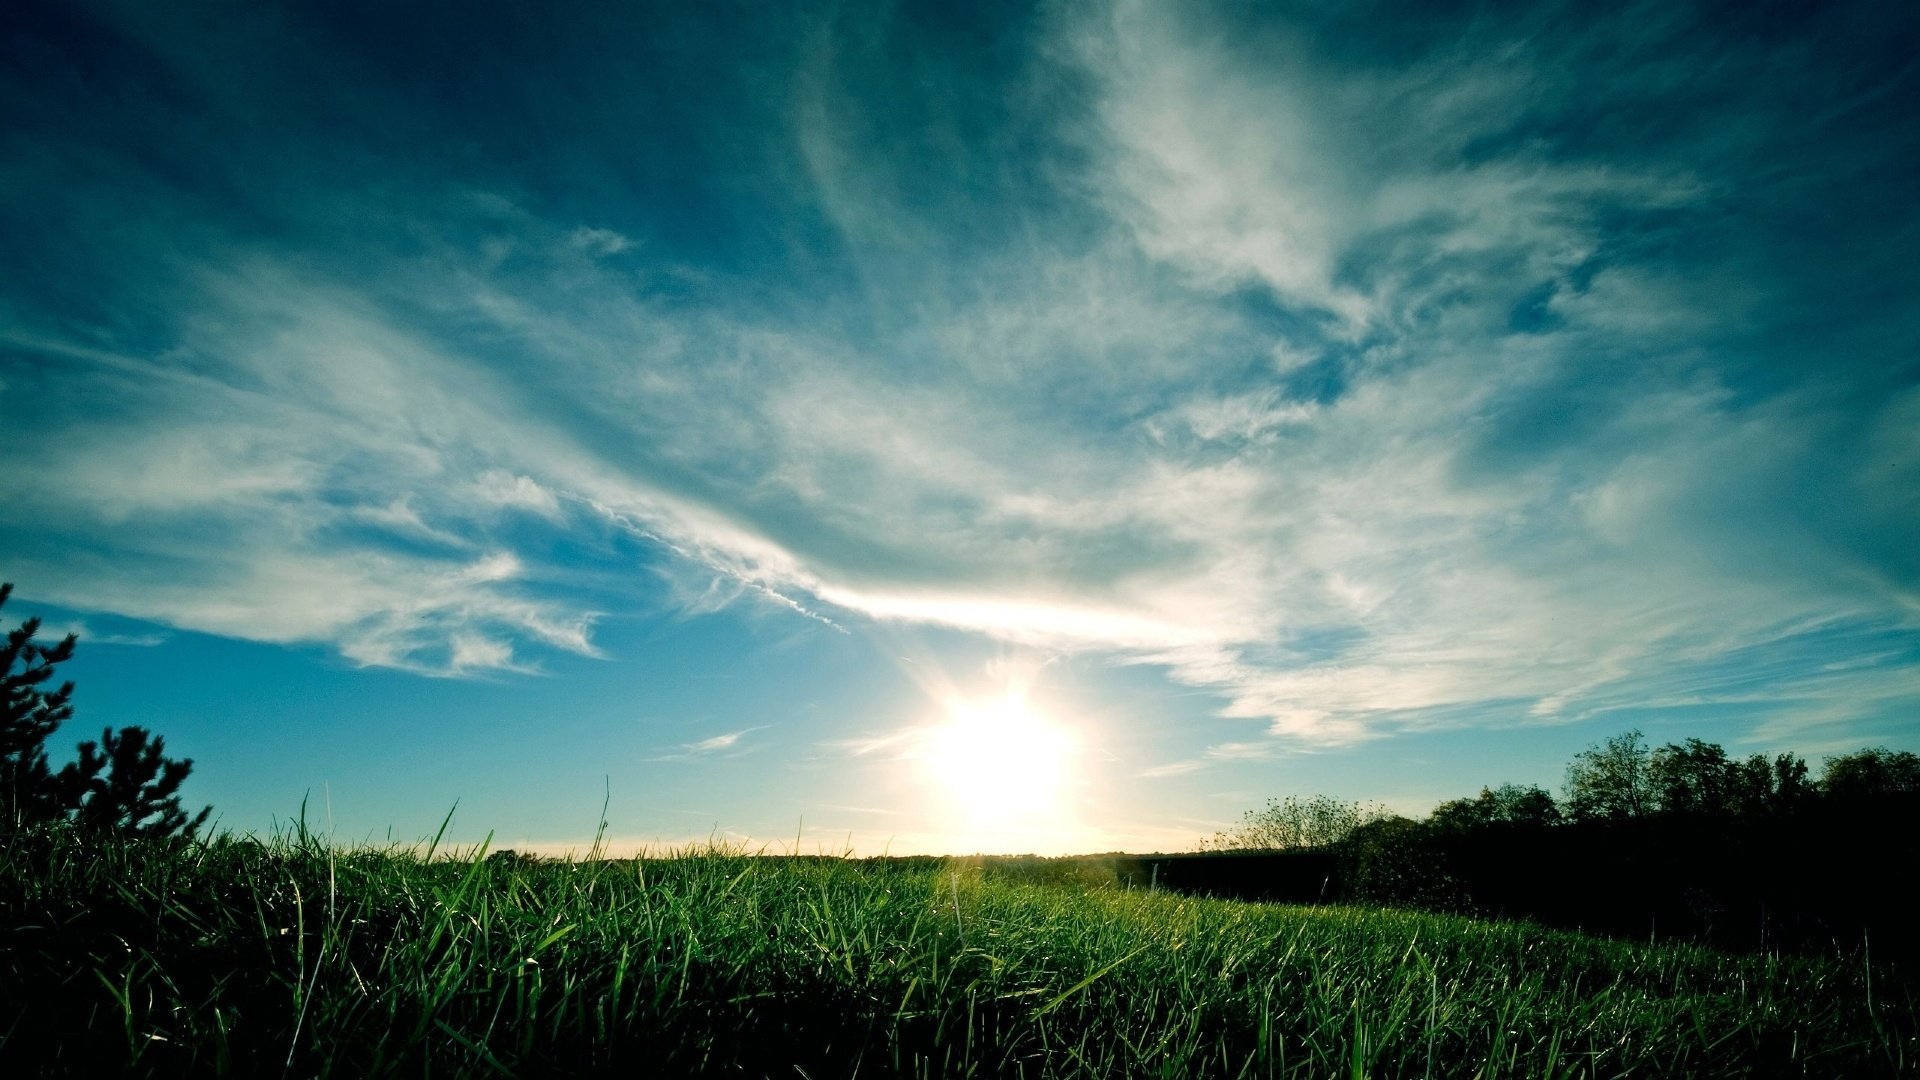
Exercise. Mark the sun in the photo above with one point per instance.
(1002, 765)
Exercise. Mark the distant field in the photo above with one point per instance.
(246, 959)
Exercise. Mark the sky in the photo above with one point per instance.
(954, 427)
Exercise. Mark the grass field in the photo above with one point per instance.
(289, 958)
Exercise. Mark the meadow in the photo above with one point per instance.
(293, 957)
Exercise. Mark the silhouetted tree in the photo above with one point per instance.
(509, 859)
(126, 784)
(1392, 859)
(1508, 804)
(1293, 822)
(1529, 805)
(1776, 787)
(1693, 778)
(1460, 815)
(29, 715)
(1610, 780)
(1875, 772)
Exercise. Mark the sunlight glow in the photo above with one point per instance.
(1003, 769)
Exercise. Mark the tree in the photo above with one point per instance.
(1772, 787)
(1318, 822)
(1873, 773)
(1609, 780)
(1394, 860)
(1693, 778)
(1621, 778)
(125, 784)
(29, 715)
(1529, 805)
(1508, 804)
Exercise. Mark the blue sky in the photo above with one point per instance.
(712, 409)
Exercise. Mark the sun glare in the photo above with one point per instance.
(1003, 767)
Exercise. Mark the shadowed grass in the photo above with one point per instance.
(243, 958)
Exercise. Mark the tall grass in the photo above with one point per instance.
(237, 957)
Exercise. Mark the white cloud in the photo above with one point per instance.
(597, 241)
(52, 632)
(718, 742)
(1256, 417)
(1266, 161)
(708, 747)
(497, 487)
(400, 517)
(471, 652)
(1357, 520)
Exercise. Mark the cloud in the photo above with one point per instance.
(1253, 417)
(598, 241)
(1363, 392)
(898, 745)
(718, 742)
(266, 480)
(89, 636)
(497, 487)
(723, 744)
(402, 519)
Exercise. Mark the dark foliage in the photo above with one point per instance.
(1393, 860)
(1871, 774)
(1697, 778)
(123, 784)
(1677, 841)
(30, 714)
(1611, 781)
(1508, 804)
(1293, 822)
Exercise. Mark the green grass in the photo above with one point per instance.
(242, 958)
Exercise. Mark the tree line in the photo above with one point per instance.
(122, 784)
(1677, 840)
(1616, 780)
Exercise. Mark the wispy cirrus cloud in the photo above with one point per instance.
(727, 744)
(53, 632)
(1367, 386)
